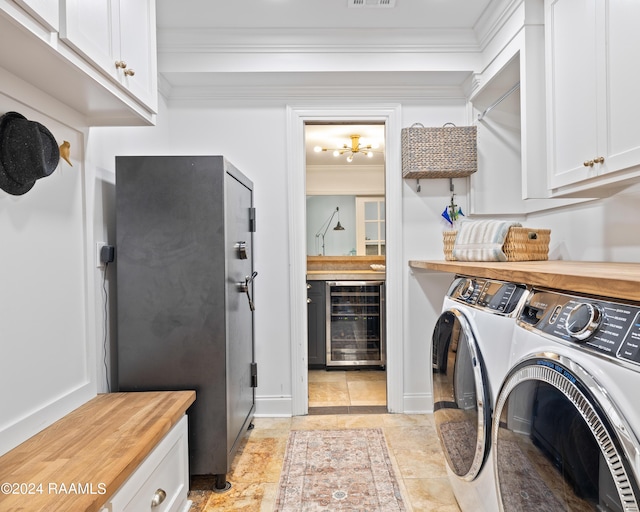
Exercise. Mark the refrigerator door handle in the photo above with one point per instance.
(244, 288)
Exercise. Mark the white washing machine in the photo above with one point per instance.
(471, 343)
(567, 419)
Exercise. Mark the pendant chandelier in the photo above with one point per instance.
(350, 151)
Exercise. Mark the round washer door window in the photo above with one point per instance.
(461, 395)
(555, 447)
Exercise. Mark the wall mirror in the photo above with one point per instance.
(345, 179)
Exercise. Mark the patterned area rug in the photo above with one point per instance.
(330, 470)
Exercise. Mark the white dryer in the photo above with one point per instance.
(470, 352)
(567, 419)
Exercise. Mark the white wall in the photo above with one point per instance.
(600, 230)
(47, 283)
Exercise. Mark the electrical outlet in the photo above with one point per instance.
(99, 246)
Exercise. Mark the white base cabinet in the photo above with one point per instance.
(592, 107)
(161, 482)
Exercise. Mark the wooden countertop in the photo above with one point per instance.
(345, 275)
(99, 445)
(614, 280)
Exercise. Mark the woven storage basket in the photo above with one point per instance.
(445, 152)
(521, 244)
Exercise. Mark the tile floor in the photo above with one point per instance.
(411, 439)
(347, 391)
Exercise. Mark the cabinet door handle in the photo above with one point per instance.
(120, 64)
(158, 497)
(309, 301)
(588, 163)
(599, 160)
(129, 72)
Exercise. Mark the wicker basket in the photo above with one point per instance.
(521, 244)
(445, 152)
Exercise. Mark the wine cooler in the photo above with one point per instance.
(355, 323)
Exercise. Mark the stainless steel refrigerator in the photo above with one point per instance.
(185, 281)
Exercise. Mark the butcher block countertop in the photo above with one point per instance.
(344, 268)
(614, 280)
(98, 445)
(345, 275)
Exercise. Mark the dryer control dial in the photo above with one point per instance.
(583, 320)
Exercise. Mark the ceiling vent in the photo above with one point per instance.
(372, 3)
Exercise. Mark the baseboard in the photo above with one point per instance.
(273, 406)
(417, 403)
(280, 406)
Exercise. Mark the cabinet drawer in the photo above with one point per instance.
(165, 470)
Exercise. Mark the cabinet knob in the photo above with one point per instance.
(599, 160)
(588, 163)
(158, 497)
(308, 286)
(129, 72)
(309, 301)
(120, 64)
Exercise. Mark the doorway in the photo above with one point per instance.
(345, 233)
(297, 117)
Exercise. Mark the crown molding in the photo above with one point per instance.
(286, 93)
(325, 40)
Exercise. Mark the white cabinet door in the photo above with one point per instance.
(118, 37)
(592, 102)
(622, 138)
(92, 29)
(571, 89)
(138, 50)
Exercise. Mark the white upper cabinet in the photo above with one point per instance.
(592, 106)
(119, 37)
(68, 49)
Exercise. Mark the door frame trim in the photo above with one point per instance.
(297, 116)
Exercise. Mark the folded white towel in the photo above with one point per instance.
(481, 240)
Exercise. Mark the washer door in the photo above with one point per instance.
(559, 441)
(461, 395)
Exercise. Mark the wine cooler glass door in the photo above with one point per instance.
(355, 323)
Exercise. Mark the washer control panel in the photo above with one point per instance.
(611, 328)
(488, 294)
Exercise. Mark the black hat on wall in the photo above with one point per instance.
(28, 152)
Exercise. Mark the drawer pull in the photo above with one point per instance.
(158, 497)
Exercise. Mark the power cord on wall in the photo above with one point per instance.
(106, 319)
(107, 255)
